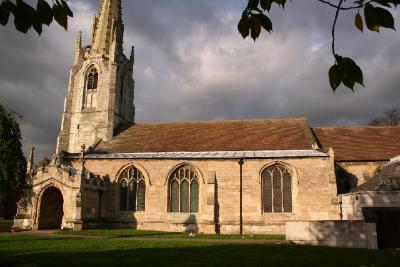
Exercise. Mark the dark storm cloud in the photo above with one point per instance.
(192, 64)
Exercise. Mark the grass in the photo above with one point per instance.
(5, 225)
(63, 251)
(157, 234)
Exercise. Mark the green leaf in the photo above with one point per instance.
(335, 76)
(59, 15)
(352, 70)
(265, 22)
(37, 26)
(24, 16)
(66, 8)
(385, 2)
(371, 18)
(266, 4)
(44, 12)
(244, 26)
(359, 22)
(348, 81)
(253, 4)
(6, 7)
(255, 27)
(385, 18)
(280, 2)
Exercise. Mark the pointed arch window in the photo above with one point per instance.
(183, 188)
(277, 190)
(92, 79)
(132, 190)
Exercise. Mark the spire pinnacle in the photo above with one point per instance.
(132, 57)
(29, 165)
(79, 39)
(107, 22)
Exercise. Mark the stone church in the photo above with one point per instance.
(200, 176)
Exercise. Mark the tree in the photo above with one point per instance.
(391, 117)
(12, 160)
(26, 17)
(344, 69)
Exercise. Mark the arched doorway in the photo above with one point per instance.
(51, 209)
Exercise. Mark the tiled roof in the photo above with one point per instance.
(387, 179)
(368, 143)
(201, 136)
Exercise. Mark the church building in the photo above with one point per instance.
(197, 176)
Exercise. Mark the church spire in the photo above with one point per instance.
(108, 28)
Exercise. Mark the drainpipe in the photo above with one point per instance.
(99, 210)
(241, 162)
(341, 207)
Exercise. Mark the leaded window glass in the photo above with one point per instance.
(175, 196)
(277, 190)
(123, 195)
(92, 79)
(194, 196)
(141, 192)
(183, 190)
(132, 193)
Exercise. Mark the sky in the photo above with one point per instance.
(192, 64)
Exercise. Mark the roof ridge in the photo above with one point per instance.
(221, 121)
(357, 127)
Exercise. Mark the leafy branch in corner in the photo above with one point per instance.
(374, 14)
(27, 17)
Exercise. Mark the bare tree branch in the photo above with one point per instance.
(344, 8)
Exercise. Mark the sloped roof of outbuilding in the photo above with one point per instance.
(387, 179)
(199, 136)
(369, 143)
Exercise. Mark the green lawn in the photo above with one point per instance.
(156, 234)
(5, 226)
(66, 251)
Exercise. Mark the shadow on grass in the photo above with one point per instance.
(5, 225)
(123, 233)
(120, 233)
(83, 252)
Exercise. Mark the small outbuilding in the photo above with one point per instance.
(377, 201)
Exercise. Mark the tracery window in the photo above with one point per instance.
(132, 190)
(183, 190)
(276, 189)
(92, 79)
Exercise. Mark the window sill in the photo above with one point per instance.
(183, 213)
(129, 211)
(278, 215)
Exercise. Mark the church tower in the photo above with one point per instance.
(100, 96)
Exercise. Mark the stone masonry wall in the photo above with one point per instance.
(313, 187)
(364, 171)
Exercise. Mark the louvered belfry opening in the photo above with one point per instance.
(277, 190)
(183, 190)
(132, 190)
